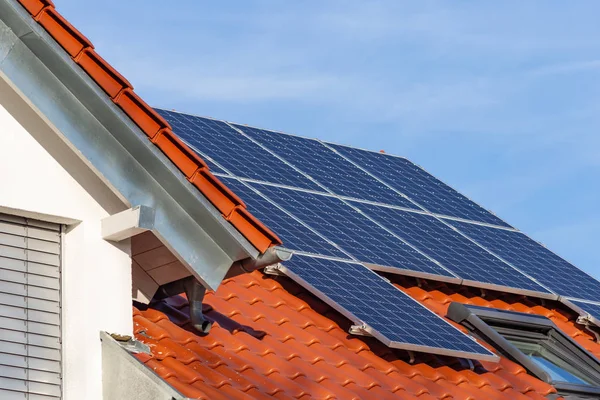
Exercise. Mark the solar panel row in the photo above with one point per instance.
(327, 167)
(419, 185)
(535, 260)
(396, 318)
(399, 240)
(351, 230)
(219, 141)
(309, 164)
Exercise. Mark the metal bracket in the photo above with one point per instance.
(271, 257)
(359, 330)
(273, 270)
(128, 223)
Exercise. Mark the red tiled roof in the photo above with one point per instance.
(271, 338)
(151, 123)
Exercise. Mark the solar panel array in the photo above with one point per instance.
(389, 313)
(383, 211)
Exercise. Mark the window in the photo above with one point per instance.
(538, 345)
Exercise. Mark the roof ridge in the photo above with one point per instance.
(154, 126)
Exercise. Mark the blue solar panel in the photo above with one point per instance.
(592, 309)
(234, 152)
(294, 235)
(214, 168)
(367, 298)
(450, 248)
(350, 230)
(327, 167)
(535, 260)
(418, 185)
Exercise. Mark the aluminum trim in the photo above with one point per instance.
(62, 94)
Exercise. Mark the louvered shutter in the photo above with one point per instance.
(30, 319)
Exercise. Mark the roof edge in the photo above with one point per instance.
(66, 97)
(126, 377)
(157, 129)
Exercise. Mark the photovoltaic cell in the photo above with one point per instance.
(294, 235)
(350, 230)
(214, 168)
(327, 167)
(236, 153)
(418, 185)
(442, 243)
(394, 316)
(535, 260)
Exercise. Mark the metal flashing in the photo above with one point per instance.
(125, 377)
(67, 98)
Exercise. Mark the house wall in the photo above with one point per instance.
(41, 177)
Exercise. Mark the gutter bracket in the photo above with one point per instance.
(128, 223)
(359, 330)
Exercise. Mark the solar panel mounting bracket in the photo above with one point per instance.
(274, 270)
(361, 330)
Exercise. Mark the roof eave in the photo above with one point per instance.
(69, 100)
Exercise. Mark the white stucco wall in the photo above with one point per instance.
(96, 274)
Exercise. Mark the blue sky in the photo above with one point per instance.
(499, 99)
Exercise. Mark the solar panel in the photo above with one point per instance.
(444, 244)
(418, 185)
(535, 260)
(389, 314)
(591, 309)
(236, 153)
(327, 167)
(350, 230)
(214, 168)
(295, 236)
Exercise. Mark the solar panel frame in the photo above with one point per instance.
(326, 167)
(216, 140)
(452, 249)
(537, 261)
(351, 153)
(351, 275)
(384, 252)
(587, 309)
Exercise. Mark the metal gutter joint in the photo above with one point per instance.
(272, 256)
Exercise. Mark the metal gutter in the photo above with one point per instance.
(99, 132)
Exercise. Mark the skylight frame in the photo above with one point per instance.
(499, 327)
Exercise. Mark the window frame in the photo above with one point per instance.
(498, 327)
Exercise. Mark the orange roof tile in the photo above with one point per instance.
(151, 123)
(271, 338)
